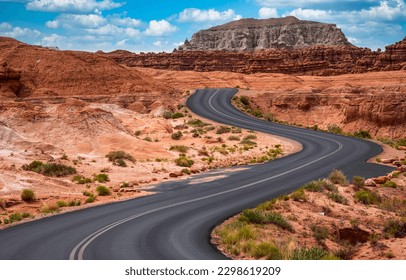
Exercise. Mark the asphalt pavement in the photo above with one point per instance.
(176, 222)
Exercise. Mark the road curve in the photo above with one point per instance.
(176, 222)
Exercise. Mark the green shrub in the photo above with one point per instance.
(62, 203)
(148, 139)
(337, 198)
(179, 148)
(362, 134)
(390, 184)
(244, 100)
(74, 203)
(101, 178)
(103, 190)
(197, 123)
(15, 217)
(177, 115)
(223, 129)
(278, 220)
(90, 199)
(358, 181)
(319, 233)
(234, 138)
(118, 157)
(314, 186)
(335, 129)
(184, 161)
(248, 143)
(27, 195)
(186, 171)
(250, 137)
(298, 195)
(50, 169)
(246, 233)
(81, 179)
(236, 130)
(313, 253)
(367, 197)
(167, 114)
(177, 135)
(87, 193)
(338, 177)
(120, 162)
(257, 113)
(253, 216)
(395, 229)
(267, 250)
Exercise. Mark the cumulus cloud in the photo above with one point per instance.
(71, 21)
(297, 3)
(160, 28)
(265, 12)
(17, 32)
(197, 15)
(72, 6)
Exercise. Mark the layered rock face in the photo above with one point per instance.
(258, 34)
(317, 60)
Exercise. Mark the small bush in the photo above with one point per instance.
(244, 100)
(223, 129)
(47, 209)
(313, 253)
(103, 190)
(335, 129)
(50, 169)
(257, 113)
(120, 162)
(179, 148)
(81, 179)
(250, 137)
(234, 138)
(62, 203)
(298, 195)
(338, 177)
(177, 135)
(319, 233)
(27, 195)
(101, 178)
(90, 199)
(253, 216)
(74, 203)
(118, 156)
(367, 197)
(137, 132)
(167, 114)
(362, 134)
(267, 250)
(358, 181)
(184, 161)
(395, 229)
(87, 193)
(186, 171)
(236, 130)
(278, 220)
(177, 115)
(148, 139)
(314, 186)
(390, 184)
(197, 123)
(337, 198)
(248, 143)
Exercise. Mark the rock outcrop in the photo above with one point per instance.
(316, 60)
(259, 34)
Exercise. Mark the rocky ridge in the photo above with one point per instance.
(258, 34)
(316, 60)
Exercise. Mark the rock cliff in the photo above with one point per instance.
(258, 34)
(316, 60)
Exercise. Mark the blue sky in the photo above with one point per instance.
(161, 25)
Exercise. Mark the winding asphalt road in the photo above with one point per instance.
(176, 222)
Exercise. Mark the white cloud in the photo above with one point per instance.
(160, 28)
(157, 43)
(71, 21)
(312, 14)
(17, 32)
(126, 21)
(197, 15)
(121, 43)
(265, 12)
(298, 3)
(72, 6)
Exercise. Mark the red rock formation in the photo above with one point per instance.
(318, 60)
